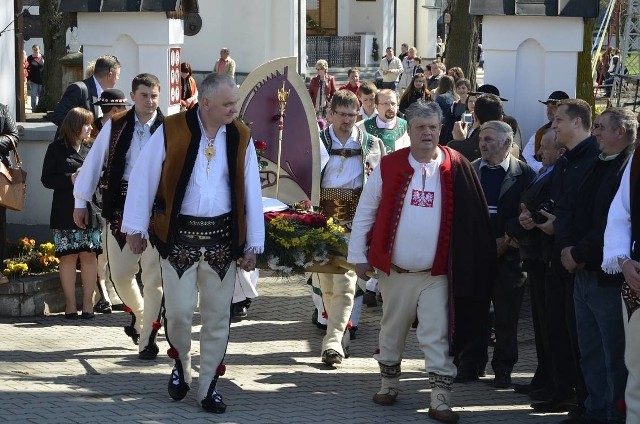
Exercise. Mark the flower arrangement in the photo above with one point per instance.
(375, 55)
(298, 238)
(261, 148)
(26, 258)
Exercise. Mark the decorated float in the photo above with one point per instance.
(276, 105)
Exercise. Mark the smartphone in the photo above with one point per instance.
(467, 118)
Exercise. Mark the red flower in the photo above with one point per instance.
(173, 353)
(156, 325)
(260, 145)
(128, 310)
(221, 370)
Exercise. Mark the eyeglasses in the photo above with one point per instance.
(345, 115)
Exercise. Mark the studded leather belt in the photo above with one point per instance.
(339, 203)
(199, 231)
(345, 153)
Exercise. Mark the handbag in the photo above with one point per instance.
(13, 187)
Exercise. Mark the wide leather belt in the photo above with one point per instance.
(339, 203)
(199, 231)
(406, 271)
(345, 153)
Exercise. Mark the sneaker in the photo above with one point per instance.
(214, 403)
(102, 307)
(177, 387)
(331, 357)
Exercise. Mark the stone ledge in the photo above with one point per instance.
(34, 295)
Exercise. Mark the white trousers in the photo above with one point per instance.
(246, 286)
(631, 356)
(409, 295)
(105, 287)
(181, 299)
(123, 265)
(338, 291)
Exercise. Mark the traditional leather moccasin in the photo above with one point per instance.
(386, 399)
(443, 415)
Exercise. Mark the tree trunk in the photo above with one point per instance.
(584, 82)
(462, 41)
(54, 31)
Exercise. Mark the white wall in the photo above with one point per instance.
(255, 33)
(529, 57)
(7, 53)
(140, 41)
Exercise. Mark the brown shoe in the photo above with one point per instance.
(386, 399)
(444, 415)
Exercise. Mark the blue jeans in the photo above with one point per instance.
(601, 341)
(34, 92)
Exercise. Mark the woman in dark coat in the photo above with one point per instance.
(8, 137)
(61, 165)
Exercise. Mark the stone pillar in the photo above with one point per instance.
(427, 29)
(141, 42)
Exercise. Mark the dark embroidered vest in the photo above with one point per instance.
(182, 141)
(396, 172)
(634, 199)
(122, 126)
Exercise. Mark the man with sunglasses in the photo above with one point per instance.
(347, 156)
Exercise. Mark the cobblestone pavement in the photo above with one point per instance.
(57, 371)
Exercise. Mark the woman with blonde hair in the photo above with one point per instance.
(322, 88)
(61, 166)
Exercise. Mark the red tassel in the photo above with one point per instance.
(325, 315)
(222, 368)
(127, 309)
(349, 324)
(156, 325)
(173, 353)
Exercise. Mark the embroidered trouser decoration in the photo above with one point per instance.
(114, 225)
(389, 371)
(182, 257)
(631, 299)
(219, 258)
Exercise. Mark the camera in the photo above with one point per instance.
(547, 206)
(467, 118)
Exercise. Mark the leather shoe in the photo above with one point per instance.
(150, 352)
(524, 389)
(178, 388)
(87, 315)
(103, 307)
(238, 310)
(540, 394)
(314, 321)
(466, 377)
(554, 405)
(352, 332)
(502, 380)
(386, 399)
(72, 315)
(214, 403)
(443, 415)
(331, 357)
(131, 332)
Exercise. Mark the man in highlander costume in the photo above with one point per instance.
(201, 179)
(422, 223)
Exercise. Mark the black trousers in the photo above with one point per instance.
(561, 325)
(536, 277)
(471, 333)
(506, 295)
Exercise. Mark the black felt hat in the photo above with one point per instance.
(112, 97)
(488, 89)
(555, 97)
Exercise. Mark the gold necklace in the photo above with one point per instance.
(209, 148)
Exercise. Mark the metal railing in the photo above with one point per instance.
(339, 51)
